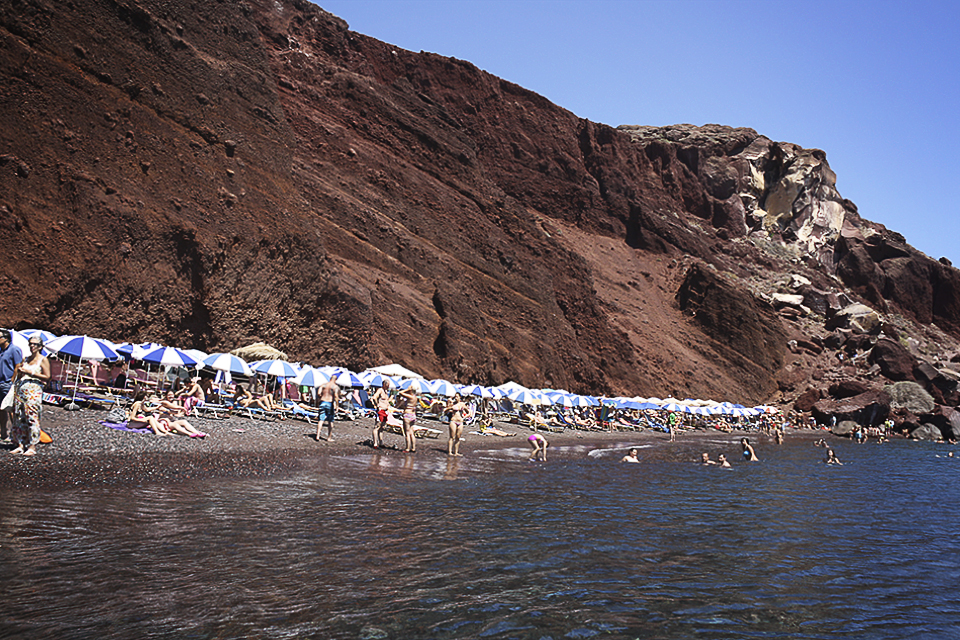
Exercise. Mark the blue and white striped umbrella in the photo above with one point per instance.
(46, 336)
(196, 354)
(561, 399)
(374, 379)
(168, 356)
(278, 368)
(673, 406)
(442, 388)
(23, 342)
(421, 386)
(476, 390)
(140, 350)
(524, 397)
(310, 377)
(350, 379)
(229, 363)
(82, 347)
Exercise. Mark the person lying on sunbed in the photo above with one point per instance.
(243, 397)
(537, 419)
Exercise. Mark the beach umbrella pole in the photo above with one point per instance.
(72, 406)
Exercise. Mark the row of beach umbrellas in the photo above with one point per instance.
(87, 348)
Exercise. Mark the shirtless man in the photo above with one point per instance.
(407, 402)
(329, 394)
(705, 459)
(630, 457)
(381, 402)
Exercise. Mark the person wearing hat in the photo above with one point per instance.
(10, 357)
(29, 378)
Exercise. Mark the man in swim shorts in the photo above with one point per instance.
(329, 394)
(381, 401)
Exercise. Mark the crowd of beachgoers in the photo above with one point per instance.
(154, 389)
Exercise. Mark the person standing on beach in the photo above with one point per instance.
(456, 410)
(31, 375)
(381, 402)
(407, 403)
(672, 422)
(10, 357)
(329, 396)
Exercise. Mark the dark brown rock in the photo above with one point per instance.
(807, 399)
(895, 361)
(848, 388)
(870, 408)
(946, 419)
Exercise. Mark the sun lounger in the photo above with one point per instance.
(395, 426)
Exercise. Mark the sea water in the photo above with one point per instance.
(493, 546)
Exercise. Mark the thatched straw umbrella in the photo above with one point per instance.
(259, 351)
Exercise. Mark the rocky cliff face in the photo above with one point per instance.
(210, 174)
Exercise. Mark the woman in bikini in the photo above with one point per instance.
(749, 455)
(407, 403)
(171, 416)
(539, 445)
(28, 379)
(138, 417)
(456, 411)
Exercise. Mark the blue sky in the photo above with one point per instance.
(874, 84)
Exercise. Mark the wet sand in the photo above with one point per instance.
(84, 452)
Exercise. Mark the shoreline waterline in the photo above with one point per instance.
(84, 452)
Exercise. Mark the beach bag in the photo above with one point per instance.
(7, 400)
(116, 416)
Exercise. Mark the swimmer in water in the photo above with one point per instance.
(630, 457)
(832, 458)
(748, 453)
(539, 445)
(722, 461)
(705, 459)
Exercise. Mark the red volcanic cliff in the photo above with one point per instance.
(211, 174)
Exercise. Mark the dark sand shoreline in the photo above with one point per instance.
(85, 453)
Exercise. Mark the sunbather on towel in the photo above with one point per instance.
(171, 416)
(141, 415)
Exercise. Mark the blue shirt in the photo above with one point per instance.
(9, 360)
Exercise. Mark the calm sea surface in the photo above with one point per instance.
(492, 546)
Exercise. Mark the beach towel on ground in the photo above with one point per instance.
(122, 426)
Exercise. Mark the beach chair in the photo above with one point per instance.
(300, 413)
(394, 425)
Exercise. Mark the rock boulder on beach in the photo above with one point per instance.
(870, 408)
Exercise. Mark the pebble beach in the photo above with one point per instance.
(85, 452)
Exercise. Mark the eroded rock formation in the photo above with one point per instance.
(211, 174)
